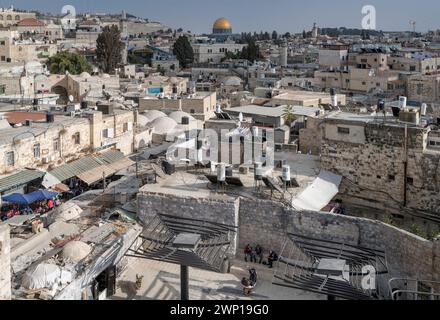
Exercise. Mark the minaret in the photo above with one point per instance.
(315, 31)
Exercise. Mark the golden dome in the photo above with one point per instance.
(222, 24)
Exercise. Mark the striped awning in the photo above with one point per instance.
(19, 179)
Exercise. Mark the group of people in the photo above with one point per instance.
(254, 254)
(40, 207)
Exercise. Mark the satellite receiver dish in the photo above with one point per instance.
(240, 117)
(71, 98)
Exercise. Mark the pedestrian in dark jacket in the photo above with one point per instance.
(259, 253)
(272, 257)
(247, 252)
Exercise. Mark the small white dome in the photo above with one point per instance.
(85, 75)
(232, 81)
(143, 120)
(178, 115)
(106, 75)
(154, 114)
(163, 125)
(76, 251)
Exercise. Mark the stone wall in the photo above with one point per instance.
(5, 263)
(266, 223)
(224, 210)
(374, 172)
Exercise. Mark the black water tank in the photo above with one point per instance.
(396, 111)
(185, 120)
(84, 105)
(229, 172)
(50, 118)
(332, 92)
(28, 123)
(169, 168)
(35, 102)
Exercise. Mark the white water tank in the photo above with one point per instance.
(221, 173)
(402, 102)
(286, 173)
(424, 109)
(258, 171)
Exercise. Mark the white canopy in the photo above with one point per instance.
(319, 193)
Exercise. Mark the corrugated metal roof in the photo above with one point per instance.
(83, 165)
(74, 168)
(18, 179)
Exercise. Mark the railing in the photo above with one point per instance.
(413, 289)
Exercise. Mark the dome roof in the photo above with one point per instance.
(232, 81)
(178, 115)
(163, 125)
(143, 120)
(154, 114)
(222, 24)
(76, 251)
(85, 75)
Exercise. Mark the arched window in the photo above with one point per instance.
(1, 18)
(17, 18)
(9, 17)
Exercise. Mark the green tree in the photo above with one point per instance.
(183, 51)
(67, 61)
(288, 115)
(109, 49)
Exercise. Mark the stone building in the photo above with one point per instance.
(200, 105)
(9, 16)
(424, 88)
(387, 165)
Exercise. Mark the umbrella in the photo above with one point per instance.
(19, 198)
(29, 198)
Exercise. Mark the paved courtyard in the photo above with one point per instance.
(162, 281)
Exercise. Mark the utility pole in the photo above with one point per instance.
(405, 166)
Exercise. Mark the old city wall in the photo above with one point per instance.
(374, 172)
(266, 223)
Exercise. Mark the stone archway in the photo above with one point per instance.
(62, 92)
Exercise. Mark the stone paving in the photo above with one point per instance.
(162, 282)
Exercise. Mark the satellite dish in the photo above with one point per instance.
(240, 117)
(71, 98)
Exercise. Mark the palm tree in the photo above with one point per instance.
(288, 115)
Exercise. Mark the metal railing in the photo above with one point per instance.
(413, 289)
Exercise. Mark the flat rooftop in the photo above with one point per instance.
(193, 183)
(275, 112)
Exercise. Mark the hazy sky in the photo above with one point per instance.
(256, 15)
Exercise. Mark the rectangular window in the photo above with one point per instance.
(56, 144)
(37, 151)
(343, 130)
(105, 133)
(77, 138)
(10, 158)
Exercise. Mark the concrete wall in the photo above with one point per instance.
(5, 263)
